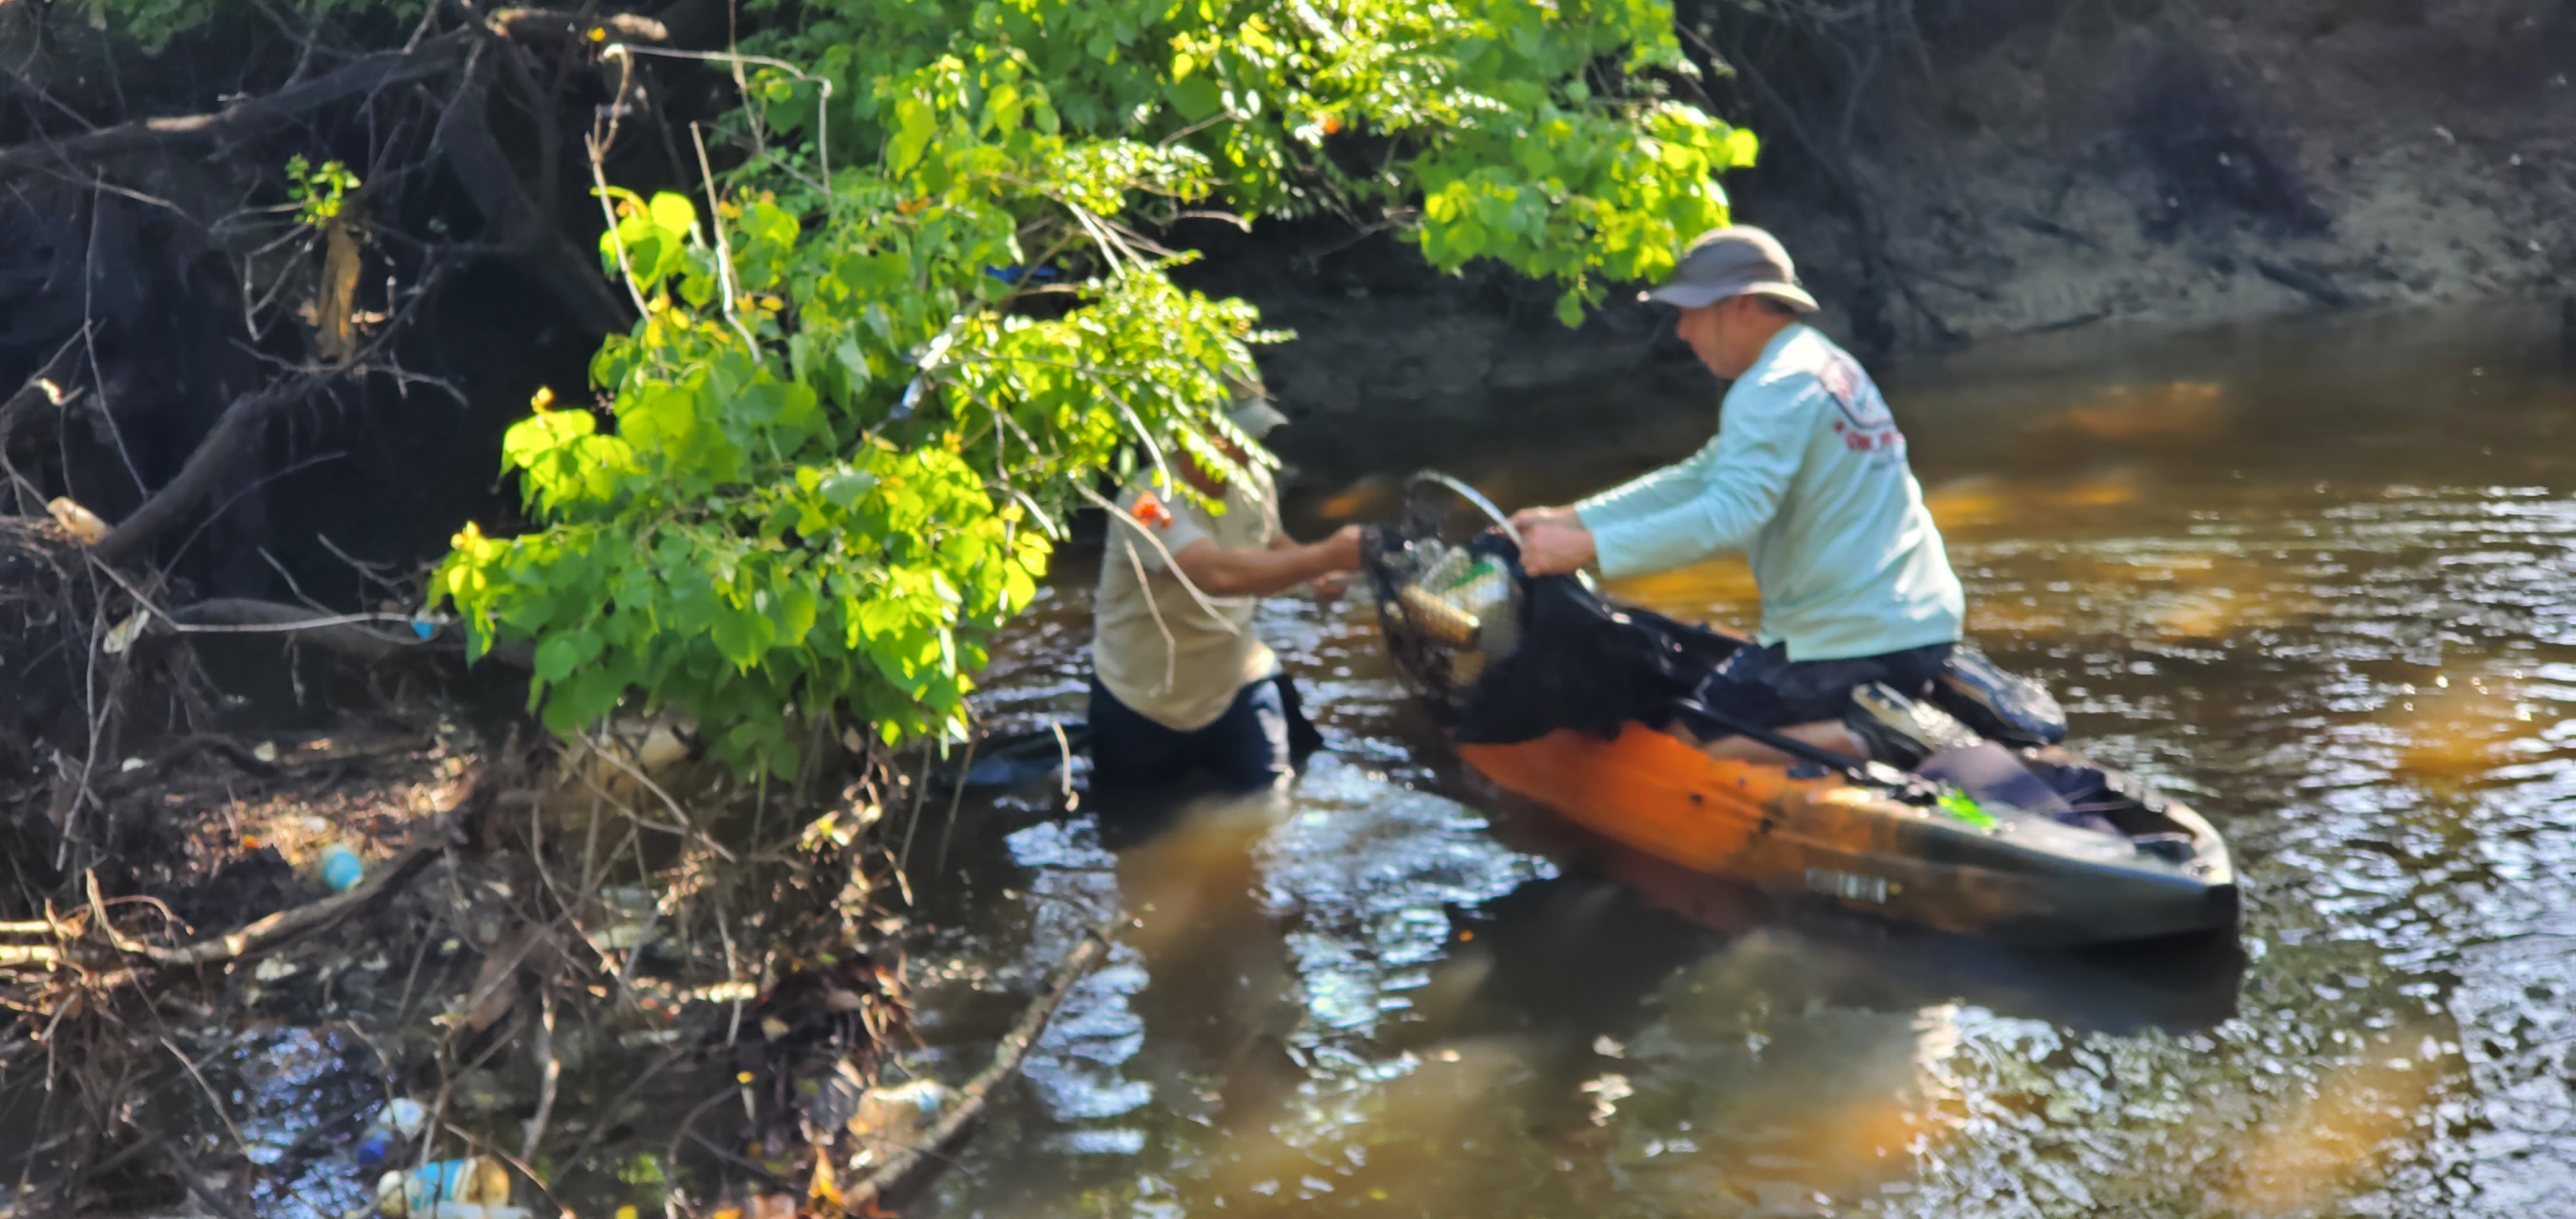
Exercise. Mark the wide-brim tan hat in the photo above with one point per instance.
(1739, 260)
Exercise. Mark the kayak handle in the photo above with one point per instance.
(1473, 497)
(1910, 788)
(1502, 523)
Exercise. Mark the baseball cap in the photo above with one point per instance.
(1733, 261)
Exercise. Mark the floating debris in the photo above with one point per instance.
(472, 1188)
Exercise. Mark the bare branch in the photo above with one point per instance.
(235, 435)
(513, 219)
(431, 58)
(908, 1171)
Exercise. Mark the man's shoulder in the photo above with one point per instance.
(1809, 360)
(1804, 352)
(1797, 364)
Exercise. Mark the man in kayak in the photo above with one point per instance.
(1180, 682)
(1807, 478)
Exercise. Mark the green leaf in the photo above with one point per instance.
(674, 214)
(559, 655)
(844, 487)
(1741, 148)
(1196, 97)
(741, 635)
(793, 611)
(1569, 308)
(914, 125)
(853, 361)
(1467, 239)
(535, 437)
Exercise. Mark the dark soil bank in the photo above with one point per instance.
(1977, 169)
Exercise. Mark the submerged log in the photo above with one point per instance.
(908, 1173)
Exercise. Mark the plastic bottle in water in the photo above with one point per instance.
(400, 1121)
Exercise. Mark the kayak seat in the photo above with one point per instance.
(1998, 705)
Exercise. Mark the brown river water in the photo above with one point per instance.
(2318, 580)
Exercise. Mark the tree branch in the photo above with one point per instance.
(453, 828)
(233, 437)
(431, 58)
(568, 27)
(909, 1171)
(349, 639)
(512, 218)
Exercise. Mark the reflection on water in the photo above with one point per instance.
(2320, 581)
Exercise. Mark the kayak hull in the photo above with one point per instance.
(2024, 879)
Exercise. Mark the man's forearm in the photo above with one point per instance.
(1219, 572)
(1648, 493)
(1722, 519)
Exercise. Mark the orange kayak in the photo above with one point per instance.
(1546, 690)
(1806, 830)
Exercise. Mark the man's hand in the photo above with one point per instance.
(1550, 549)
(1531, 518)
(1342, 550)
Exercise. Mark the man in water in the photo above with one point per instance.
(1180, 683)
(1807, 478)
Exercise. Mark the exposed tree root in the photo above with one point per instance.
(232, 440)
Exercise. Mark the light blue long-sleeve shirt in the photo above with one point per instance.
(1807, 477)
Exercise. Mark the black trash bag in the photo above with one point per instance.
(1588, 665)
(1579, 662)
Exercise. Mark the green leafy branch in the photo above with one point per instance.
(831, 459)
(318, 194)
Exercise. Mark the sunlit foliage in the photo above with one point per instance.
(868, 386)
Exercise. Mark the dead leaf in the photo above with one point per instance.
(336, 333)
(122, 635)
(824, 1189)
(81, 523)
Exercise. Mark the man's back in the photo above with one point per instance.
(1154, 643)
(1807, 476)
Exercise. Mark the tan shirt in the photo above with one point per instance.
(1155, 647)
